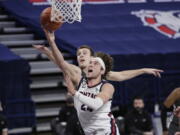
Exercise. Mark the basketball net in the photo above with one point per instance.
(66, 10)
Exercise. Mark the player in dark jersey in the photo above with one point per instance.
(171, 103)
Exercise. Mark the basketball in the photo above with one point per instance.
(45, 20)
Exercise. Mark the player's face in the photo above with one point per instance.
(138, 103)
(83, 57)
(94, 69)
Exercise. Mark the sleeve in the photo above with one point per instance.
(94, 103)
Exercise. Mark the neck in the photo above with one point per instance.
(93, 81)
(85, 70)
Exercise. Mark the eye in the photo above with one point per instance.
(84, 52)
(96, 63)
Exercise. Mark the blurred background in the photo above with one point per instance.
(136, 33)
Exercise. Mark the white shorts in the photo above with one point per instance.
(104, 132)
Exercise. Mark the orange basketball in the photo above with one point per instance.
(46, 21)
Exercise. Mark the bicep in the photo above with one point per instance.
(114, 76)
(106, 93)
(74, 72)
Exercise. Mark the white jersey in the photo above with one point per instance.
(91, 120)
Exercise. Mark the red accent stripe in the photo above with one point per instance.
(166, 29)
(150, 20)
(113, 125)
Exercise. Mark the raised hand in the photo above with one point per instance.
(49, 35)
(153, 71)
(42, 48)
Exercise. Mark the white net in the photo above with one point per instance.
(66, 10)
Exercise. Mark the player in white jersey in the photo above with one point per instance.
(93, 98)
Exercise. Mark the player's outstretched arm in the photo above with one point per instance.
(129, 74)
(45, 50)
(67, 68)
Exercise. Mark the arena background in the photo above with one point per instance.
(137, 33)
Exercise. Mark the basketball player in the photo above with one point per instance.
(93, 98)
(84, 53)
(173, 100)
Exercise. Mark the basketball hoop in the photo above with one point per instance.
(66, 10)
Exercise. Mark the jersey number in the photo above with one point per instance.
(86, 108)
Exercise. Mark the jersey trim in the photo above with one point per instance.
(94, 85)
(113, 125)
(80, 83)
(103, 82)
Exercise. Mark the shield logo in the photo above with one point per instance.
(165, 22)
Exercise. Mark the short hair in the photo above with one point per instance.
(138, 98)
(87, 47)
(108, 61)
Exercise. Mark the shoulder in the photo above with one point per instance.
(107, 85)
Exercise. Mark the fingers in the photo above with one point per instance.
(157, 72)
(37, 46)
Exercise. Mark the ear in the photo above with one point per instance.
(102, 71)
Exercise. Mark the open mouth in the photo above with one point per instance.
(90, 71)
(82, 60)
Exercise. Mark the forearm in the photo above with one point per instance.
(93, 103)
(128, 74)
(57, 55)
(50, 56)
(124, 75)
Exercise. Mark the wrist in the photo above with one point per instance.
(143, 70)
(74, 93)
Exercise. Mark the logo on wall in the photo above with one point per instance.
(165, 22)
